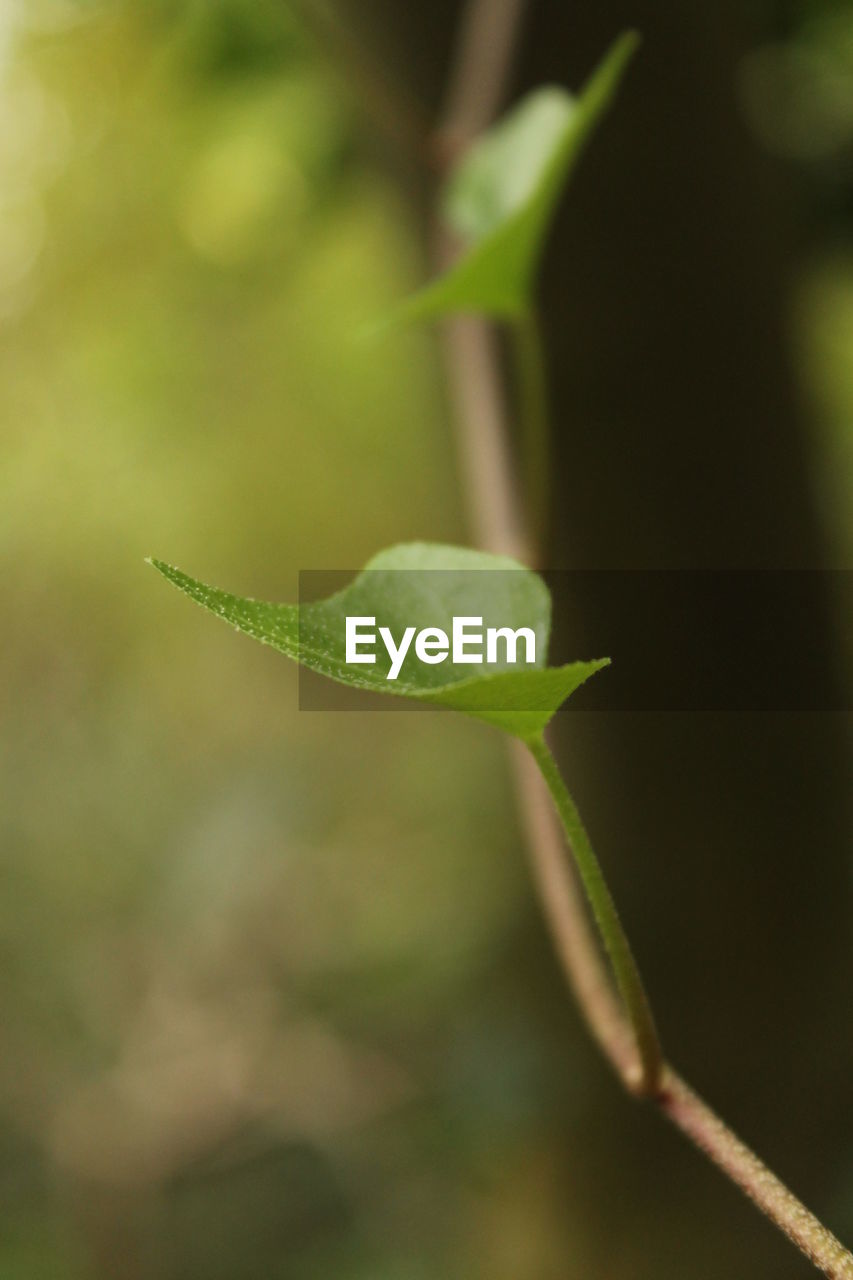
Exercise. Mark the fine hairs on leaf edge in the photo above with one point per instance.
(521, 702)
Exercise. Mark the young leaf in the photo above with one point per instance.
(503, 195)
(419, 585)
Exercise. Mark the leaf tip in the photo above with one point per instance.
(167, 571)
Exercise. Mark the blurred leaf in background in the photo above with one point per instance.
(796, 91)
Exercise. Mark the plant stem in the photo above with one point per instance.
(652, 1077)
(532, 390)
(562, 899)
(484, 48)
(616, 943)
(485, 457)
(704, 1128)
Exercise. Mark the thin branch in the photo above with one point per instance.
(618, 947)
(695, 1119)
(474, 374)
(565, 911)
(485, 45)
(475, 88)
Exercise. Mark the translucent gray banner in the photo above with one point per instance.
(678, 641)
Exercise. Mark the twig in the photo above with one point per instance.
(564, 908)
(474, 373)
(647, 1079)
(695, 1119)
(485, 44)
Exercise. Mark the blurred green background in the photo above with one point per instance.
(275, 997)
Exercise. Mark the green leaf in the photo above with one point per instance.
(502, 197)
(419, 585)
